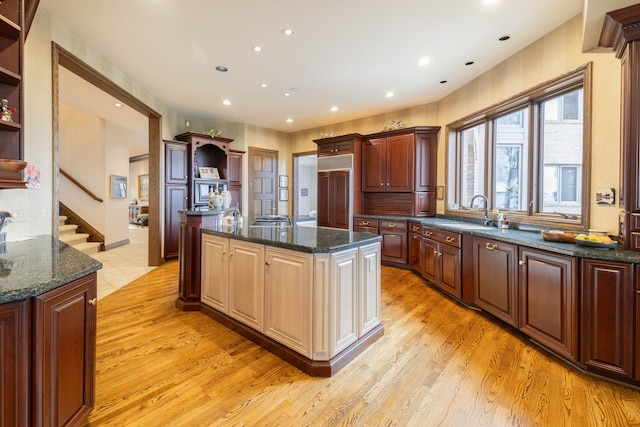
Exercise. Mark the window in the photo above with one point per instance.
(526, 155)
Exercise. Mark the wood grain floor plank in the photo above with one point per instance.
(439, 363)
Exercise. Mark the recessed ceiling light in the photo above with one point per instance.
(263, 85)
(289, 120)
(424, 61)
(257, 49)
(487, 2)
(389, 94)
(287, 31)
(226, 102)
(222, 68)
(504, 38)
(468, 63)
(117, 104)
(334, 109)
(286, 94)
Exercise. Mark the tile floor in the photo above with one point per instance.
(123, 264)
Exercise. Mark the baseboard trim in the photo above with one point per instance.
(116, 244)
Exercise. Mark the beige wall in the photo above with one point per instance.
(555, 54)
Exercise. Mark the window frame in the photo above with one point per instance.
(531, 101)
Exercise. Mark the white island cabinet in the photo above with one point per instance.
(323, 306)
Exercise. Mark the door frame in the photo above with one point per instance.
(61, 57)
(295, 179)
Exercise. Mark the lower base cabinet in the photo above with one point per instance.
(495, 288)
(548, 290)
(442, 260)
(394, 242)
(14, 372)
(315, 304)
(607, 317)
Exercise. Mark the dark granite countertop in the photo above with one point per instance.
(297, 238)
(530, 238)
(36, 265)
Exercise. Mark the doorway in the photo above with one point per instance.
(305, 185)
(263, 171)
(63, 58)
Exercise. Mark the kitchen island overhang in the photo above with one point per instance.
(311, 296)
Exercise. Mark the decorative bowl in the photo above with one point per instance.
(7, 165)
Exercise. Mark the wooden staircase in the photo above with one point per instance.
(68, 233)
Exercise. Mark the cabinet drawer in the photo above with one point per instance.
(415, 227)
(365, 222)
(395, 225)
(443, 236)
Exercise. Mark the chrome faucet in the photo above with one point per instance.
(487, 221)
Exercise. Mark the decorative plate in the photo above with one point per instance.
(604, 245)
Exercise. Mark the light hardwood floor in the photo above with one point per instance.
(438, 364)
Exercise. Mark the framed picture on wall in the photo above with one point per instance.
(143, 187)
(284, 194)
(118, 187)
(284, 181)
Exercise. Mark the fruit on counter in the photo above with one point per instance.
(594, 238)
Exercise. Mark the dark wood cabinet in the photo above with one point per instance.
(176, 193)
(334, 199)
(64, 349)
(619, 31)
(334, 183)
(176, 157)
(495, 278)
(11, 88)
(234, 162)
(15, 331)
(442, 259)
(415, 246)
(394, 242)
(607, 317)
(399, 172)
(548, 290)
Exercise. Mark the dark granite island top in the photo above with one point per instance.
(36, 265)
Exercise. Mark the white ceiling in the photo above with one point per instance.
(344, 53)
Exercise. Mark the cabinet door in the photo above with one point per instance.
(234, 164)
(369, 291)
(15, 334)
(399, 163)
(607, 316)
(343, 301)
(450, 269)
(341, 199)
(394, 245)
(64, 349)
(176, 163)
(430, 264)
(215, 272)
(175, 199)
(494, 270)
(288, 283)
(415, 251)
(246, 283)
(373, 165)
(324, 199)
(549, 300)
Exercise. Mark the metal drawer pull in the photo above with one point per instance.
(392, 225)
(522, 262)
(93, 301)
(450, 239)
(416, 228)
(365, 222)
(435, 252)
(415, 237)
(490, 246)
(428, 233)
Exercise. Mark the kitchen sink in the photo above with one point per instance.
(464, 226)
(272, 221)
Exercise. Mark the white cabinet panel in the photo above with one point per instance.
(246, 283)
(369, 282)
(288, 279)
(215, 272)
(344, 298)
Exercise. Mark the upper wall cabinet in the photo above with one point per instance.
(399, 171)
(11, 60)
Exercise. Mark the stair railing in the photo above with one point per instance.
(80, 186)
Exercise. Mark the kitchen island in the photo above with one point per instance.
(48, 328)
(309, 295)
